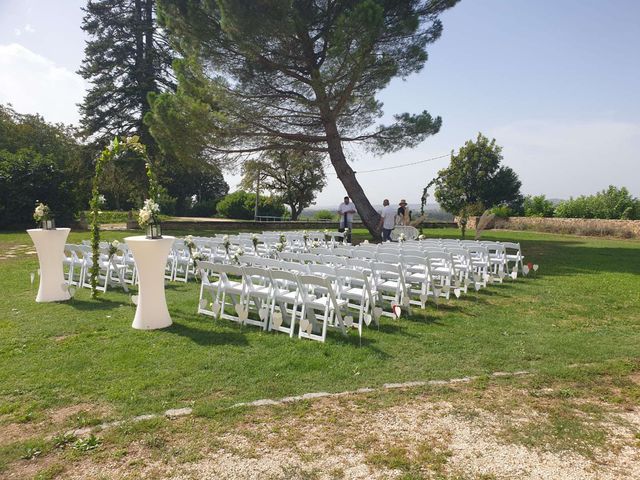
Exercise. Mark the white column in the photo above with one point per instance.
(150, 256)
(50, 247)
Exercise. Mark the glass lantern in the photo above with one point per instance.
(49, 224)
(154, 230)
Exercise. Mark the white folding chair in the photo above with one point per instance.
(389, 282)
(328, 306)
(221, 289)
(258, 295)
(355, 288)
(513, 254)
(285, 301)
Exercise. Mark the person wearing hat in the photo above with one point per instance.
(402, 216)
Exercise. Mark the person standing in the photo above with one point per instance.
(346, 210)
(402, 217)
(387, 220)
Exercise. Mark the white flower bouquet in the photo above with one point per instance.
(255, 239)
(42, 213)
(226, 243)
(401, 237)
(113, 248)
(189, 243)
(148, 217)
(198, 257)
(148, 214)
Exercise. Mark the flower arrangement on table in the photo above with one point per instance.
(421, 237)
(226, 243)
(255, 240)
(305, 237)
(346, 234)
(148, 217)
(279, 246)
(42, 214)
(113, 248)
(401, 237)
(315, 244)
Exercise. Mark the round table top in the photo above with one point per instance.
(49, 230)
(143, 238)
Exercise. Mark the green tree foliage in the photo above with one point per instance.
(127, 57)
(295, 176)
(241, 205)
(39, 161)
(538, 206)
(25, 177)
(303, 74)
(612, 203)
(475, 180)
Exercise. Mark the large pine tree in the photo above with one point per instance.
(126, 57)
(302, 74)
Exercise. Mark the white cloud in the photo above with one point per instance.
(35, 84)
(562, 159)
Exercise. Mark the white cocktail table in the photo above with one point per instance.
(151, 257)
(50, 247)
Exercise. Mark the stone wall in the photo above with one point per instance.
(250, 225)
(575, 226)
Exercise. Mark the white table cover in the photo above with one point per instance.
(50, 247)
(150, 256)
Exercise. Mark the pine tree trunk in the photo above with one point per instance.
(370, 217)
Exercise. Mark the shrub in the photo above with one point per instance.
(27, 176)
(324, 215)
(204, 208)
(612, 203)
(241, 205)
(538, 206)
(502, 211)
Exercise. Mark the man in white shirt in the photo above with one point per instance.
(346, 211)
(387, 220)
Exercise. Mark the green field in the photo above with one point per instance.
(582, 308)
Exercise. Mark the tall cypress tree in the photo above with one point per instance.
(126, 57)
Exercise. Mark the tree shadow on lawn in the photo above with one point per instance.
(559, 258)
(91, 304)
(206, 337)
(365, 342)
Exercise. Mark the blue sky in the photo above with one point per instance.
(556, 82)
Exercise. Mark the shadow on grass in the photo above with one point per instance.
(99, 303)
(207, 337)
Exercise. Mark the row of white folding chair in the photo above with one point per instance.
(386, 279)
(114, 270)
(334, 269)
(260, 291)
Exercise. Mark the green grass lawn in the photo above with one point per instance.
(581, 308)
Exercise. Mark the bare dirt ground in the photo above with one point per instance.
(501, 430)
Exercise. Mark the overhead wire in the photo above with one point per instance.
(403, 165)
